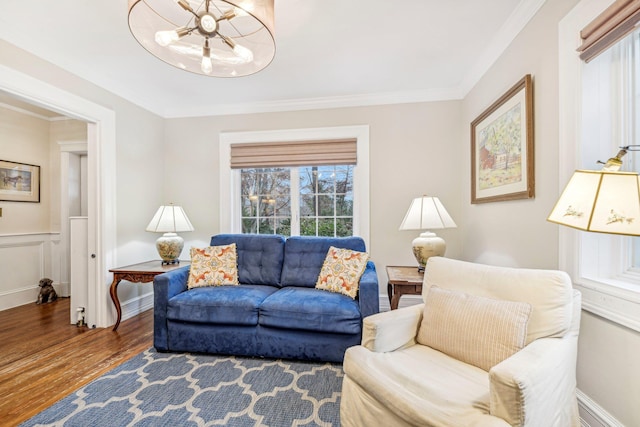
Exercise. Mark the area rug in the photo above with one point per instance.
(162, 389)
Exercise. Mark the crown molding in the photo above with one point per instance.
(361, 100)
(516, 22)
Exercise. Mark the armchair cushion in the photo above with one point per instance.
(476, 330)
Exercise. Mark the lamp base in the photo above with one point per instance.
(169, 247)
(427, 245)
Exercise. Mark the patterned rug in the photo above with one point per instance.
(163, 389)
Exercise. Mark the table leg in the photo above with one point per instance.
(389, 292)
(396, 299)
(114, 297)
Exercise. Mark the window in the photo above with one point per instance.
(599, 112)
(305, 199)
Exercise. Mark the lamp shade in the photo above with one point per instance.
(600, 201)
(169, 219)
(427, 213)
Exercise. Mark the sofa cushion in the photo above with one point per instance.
(213, 266)
(260, 256)
(230, 305)
(311, 310)
(304, 256)
(341, 271)
(476, 330)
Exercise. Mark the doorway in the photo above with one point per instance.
(101, 131)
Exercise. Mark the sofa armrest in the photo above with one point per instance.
(536, 386)
(368, 293)
(165, 287)
(391, 330)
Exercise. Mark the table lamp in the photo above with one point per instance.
(427, 213)
(169, 220)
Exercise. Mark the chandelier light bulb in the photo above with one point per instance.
(206, 65)
(243, 53)
(165, 38)
(238, 11)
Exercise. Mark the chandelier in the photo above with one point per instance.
(230, 38)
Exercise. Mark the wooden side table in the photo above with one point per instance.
(403, 281)
(138, 273)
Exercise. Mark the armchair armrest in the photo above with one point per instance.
(368, 298)
(391, 330)
(166, 286)
(535, 386)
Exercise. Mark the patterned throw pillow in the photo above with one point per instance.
(341, 271)
(213, 266)
(476, 330)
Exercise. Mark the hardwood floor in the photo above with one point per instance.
(44, 358)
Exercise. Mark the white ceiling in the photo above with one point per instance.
(329, 53)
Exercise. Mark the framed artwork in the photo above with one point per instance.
(19, 182)
(502, 160)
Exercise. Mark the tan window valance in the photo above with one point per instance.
(294, 153)
(614, 23)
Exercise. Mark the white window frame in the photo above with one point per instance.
(608, 290)
(229, 218)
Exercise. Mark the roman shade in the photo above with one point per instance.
(606, 29)
(294, 153)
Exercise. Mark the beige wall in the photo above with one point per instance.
(516, 233)
(25, 139)
(411, 152)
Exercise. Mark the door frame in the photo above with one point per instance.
(101, 151)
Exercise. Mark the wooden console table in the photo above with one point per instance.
(137, 273)
(403, 281)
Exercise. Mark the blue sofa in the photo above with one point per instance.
(275, 312)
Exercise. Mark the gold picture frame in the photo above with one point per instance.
(502, 157)
(19, 182)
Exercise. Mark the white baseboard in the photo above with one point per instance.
(593, 415)
(137, 305)
(18, 297)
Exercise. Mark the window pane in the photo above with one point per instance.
(326, 227)
(307, 226)
(344, 205)
(325, 205)
(283, 226)
(307, 205)
(249, 226)
(344, 227)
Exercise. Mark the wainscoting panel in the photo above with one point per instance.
(593, 415)
(24, 260)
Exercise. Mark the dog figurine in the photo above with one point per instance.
(47, 293)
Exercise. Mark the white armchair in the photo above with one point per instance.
(451, 360)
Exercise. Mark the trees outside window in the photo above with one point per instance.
(306, 201)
